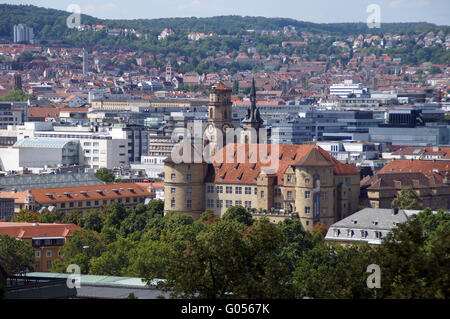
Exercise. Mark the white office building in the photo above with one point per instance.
(22, 33)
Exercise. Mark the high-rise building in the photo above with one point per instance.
(22, 33)
(85, 63)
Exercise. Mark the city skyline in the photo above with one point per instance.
(321, 11)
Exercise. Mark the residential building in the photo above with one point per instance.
(369, 225)
(78, 198)
(45, 239)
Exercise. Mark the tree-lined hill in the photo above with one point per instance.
(51, 24)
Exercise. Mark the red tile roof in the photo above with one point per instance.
(93, 192)
(429, 168)
(247, 163)
(30, 230)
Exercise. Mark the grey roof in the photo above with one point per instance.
(25, 182)
(42, 143)
(93, 286)
(370, 222)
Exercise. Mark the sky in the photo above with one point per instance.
(320, 11)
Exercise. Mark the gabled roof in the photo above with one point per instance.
(242, 163)
(314, 158)
(30, 230)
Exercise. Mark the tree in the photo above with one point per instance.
(73, 217)
(414, 258)
(407, 199)
(105, 175)
(84, 245)
(92, 221)
(115, 260)
(15, 255)
(25, 216)
(51, 217)
(228, 259)
(239, 214)
(17, 95)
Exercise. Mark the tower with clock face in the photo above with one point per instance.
(219, 117)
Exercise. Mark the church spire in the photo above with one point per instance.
(253, 116)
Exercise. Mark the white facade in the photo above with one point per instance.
(346, 88)
(97, 149)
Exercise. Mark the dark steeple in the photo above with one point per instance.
(253, 117)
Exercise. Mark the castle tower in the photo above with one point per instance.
(184, 181)
(314, 182)
(219, 117)
(253, 121)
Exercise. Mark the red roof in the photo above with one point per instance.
(429, 168)
(247, 163)
(30, 230)
(93, 192)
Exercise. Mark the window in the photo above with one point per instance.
(307, 194)
(238, 203)
(49, 253)
(189, 191)
(229, 190)
(262, 194)
(289, 195)
(38, 265)
(37, 254)
(49, 264)
(219, 203)
(337, 232)
(248, 190)
(172, 190)
(172, 203)
(307, 210)
(228, 203)
(289, 178)
(364, 233)
(189, 203)
(238, 190)
(306, 180)
(256, 191)
(172, 176)
(189, 177)
(277, 191)
(210, 203)
(59, 254)
(210, 189)
(219, 189)
(63, 205)
(324, 195)
(248, 204)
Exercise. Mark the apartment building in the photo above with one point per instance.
(46, 240)
(79, 198)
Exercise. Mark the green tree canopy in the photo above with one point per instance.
(407, 199)
(15, 255)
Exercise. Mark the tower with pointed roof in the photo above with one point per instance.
(253, 121)
(219, 117)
